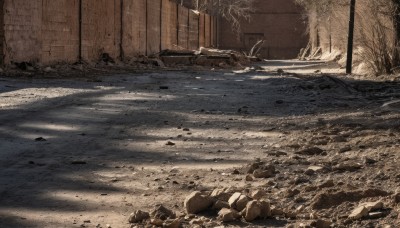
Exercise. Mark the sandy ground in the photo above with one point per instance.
(87, 153)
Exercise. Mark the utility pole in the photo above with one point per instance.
(349, 64)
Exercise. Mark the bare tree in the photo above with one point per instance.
(232, 10)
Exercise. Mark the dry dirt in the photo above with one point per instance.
(87, 153)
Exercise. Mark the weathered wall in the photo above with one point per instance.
(1, 32)
(101, 28)
(279, 22)
(169, 21)
(22, 26)
(48, 31)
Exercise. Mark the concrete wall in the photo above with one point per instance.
(279, 22)
(48, 31)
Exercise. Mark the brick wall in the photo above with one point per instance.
(279, 22)
(48, 31)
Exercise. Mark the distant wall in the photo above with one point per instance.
(280, 23)
(50, 31)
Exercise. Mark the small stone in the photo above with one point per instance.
(315, 168)
(156, 222)
(233, 199)
(309, 172)
(345, 149)
(376, 215)
(276, 211)
(242, 202)
(253, 211)
(220, 204)
(249, 178)
(228, 215)
(172, 223)
(235, 172)
(372, 206)
(198, 221)
(169, 143)
(40, 139)
(260, 173)
(323, 223)
(138, 216)
(311, 151)
(397, 198)
(220, 194)
(253, 166)
(163, 213)
(369, 161)
(358, 213)
(265, 209)
(196, 202)
(348, 166)
(292, 192)
(290, 214)
(258, 194)
(327, 184)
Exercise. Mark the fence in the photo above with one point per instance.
(50, 31)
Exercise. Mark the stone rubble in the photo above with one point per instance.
(221, 206)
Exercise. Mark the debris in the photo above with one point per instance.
(249, 178)
(138, 216)
(258, 194)
(220, 204)
(40, 139)
(252, 211)
(169, 143)
(197, 202)
(172, 223)
(228, 215)
(358, 213)
(162, 213)
(311, 151)
(323, 223)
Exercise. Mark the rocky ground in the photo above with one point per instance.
(282, 144)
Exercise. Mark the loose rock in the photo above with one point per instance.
(358, 213)
(228, 215)
(172, 223)
(162, 213)
(220, 204)
(138, 216)
(242, 202)
(372, 206)
(258, 194)
(311, 151)
(265, 209)
(253, 211)
(196, 202)
(323, 223)
(233, 199)
(260, 173)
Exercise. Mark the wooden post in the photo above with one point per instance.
(349, 64)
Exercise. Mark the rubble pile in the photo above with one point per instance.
(328, 204)
(204, 57)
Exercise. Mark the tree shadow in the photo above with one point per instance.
(66, 142)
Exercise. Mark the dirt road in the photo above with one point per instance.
(78, 153)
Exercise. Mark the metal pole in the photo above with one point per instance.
(351, 38)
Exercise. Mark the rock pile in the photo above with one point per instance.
(268, 197)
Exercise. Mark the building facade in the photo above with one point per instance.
(53, 31)
(281, 23)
